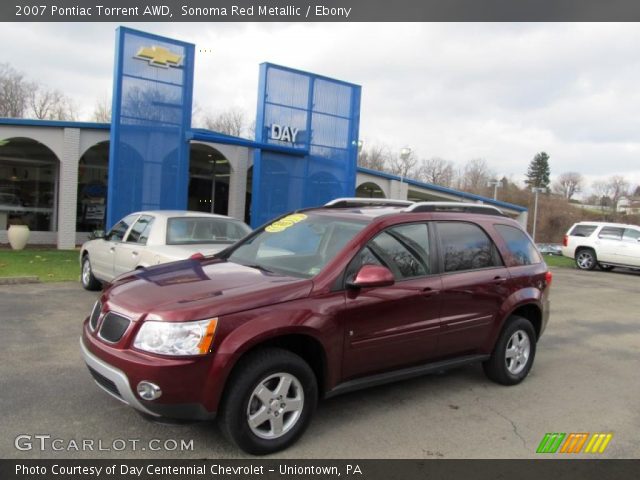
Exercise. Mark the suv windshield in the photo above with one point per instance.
(298, 244)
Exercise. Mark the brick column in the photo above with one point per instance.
(238, 182)
(68, 189)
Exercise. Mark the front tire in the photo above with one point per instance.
(89, 282)
(271, 397)
(513, 355)
(586, 259)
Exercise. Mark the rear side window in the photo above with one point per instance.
(582, 230)
(522, 249)
(631, 235)
(466, 246)
(611, 233)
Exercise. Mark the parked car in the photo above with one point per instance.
(550, 248)
(607, 245)
(320, 302)
(148, 238)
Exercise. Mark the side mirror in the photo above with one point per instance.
(372, 276)
(96, 234)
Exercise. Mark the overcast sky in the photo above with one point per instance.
(458, 91)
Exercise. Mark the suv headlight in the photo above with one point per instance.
(176, 338)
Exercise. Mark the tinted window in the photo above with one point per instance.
(116, 234)
(520, 246)
(611, 233)
(466, 247)
(582, 230)
(405, 257)
(140, 231)
(631, 235)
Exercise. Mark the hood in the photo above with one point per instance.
(195, 289)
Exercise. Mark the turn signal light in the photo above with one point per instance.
(548, 277)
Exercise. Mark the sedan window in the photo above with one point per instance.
(116, 234)
(140, 231)
(192, 230)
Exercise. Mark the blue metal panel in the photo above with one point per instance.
(151, 115)
(324, 116)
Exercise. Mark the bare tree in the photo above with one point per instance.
(230, 122)
(602, 190)
(102, 110)
(375, 157)
(404, 165)
(568, 184)
(437, 171)
(475, 175)
(618, 187)
(14, 92)
(49, 104)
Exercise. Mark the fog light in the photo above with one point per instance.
(148, 390)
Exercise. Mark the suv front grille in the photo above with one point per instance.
(104, 382)
(113, 327)
(95, 315)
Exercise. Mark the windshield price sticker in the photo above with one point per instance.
(285, 222)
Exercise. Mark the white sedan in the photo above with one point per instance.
(148, 238)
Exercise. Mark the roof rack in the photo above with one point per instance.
(454, 207)
(355, 202)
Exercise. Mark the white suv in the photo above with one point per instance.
(607, 245)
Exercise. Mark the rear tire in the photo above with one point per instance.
(513, 355)
(269, 401)
(586, 259)
(89, 282)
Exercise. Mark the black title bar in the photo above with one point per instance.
(320, 11)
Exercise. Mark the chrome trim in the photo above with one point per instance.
(453, 205)
(362, 201)
(116, 376)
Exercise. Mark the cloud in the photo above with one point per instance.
(458, 91)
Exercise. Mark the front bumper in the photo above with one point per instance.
(116, 383)
(112, 380)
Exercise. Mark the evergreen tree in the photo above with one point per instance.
(538, 172)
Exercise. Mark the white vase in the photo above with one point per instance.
(18, 236)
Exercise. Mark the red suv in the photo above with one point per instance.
(318, 303)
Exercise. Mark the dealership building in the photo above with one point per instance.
(66, 179)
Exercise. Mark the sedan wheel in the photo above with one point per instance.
(89, 282)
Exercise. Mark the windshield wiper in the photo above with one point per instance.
(258, 267)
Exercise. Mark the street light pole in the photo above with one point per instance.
(496, 184)
(405, 152)
(536, 191)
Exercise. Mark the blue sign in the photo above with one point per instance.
(321, 117)
(151, 113)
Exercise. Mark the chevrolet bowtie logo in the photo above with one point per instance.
(159, 57)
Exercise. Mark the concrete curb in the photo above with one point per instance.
(18, 280)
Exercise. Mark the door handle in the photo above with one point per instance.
(428, 291)
(498, 279)
(112, 249)
(135, 254)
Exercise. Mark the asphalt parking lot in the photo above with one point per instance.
(585, 379)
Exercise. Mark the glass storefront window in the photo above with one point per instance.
(92, 188)
(28, 184)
